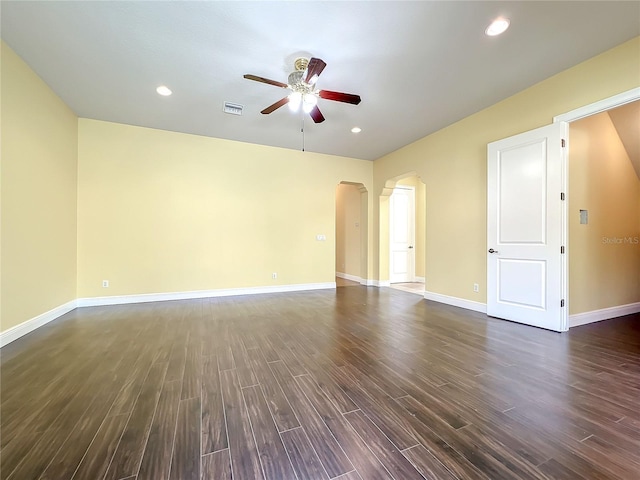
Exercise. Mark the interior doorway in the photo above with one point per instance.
(604, 214)
(403, 229)
(402, 226)
(599, 195)
(351, 230)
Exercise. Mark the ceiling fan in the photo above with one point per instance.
(302, 83)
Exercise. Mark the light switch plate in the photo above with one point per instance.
(584, 217)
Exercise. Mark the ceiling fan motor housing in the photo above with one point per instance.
(301, 64)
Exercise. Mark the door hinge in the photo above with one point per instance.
(563, 143)
(562, 249)
(562, 303)
(561, 195)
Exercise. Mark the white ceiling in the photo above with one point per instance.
(418, 66)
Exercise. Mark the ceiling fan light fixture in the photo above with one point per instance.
(356, 130)
(498, 26)
(295, 98)
(295, 78)
(309, 101)
(302, 83)
(164, 91)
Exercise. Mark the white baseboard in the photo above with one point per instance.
(22, 329)
(29, 326)
(223, 292)
(419, 279)
(603, 314)
(368, 282)
(456, 302)
(348, 276)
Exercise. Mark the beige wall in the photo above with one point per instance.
(604, 255)
(452, 163)
(169, 212)
(38, 199)
(348, 228)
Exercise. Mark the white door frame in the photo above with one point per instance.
(568, 117)
(599, 106)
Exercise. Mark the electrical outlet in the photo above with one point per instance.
(105, 283)
(274, 275)
(476, 287)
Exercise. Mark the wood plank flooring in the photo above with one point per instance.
(353, 384)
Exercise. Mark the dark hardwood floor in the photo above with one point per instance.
(357, 383)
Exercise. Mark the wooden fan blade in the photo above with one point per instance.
(314, 69)
(275, 106)
(340, 97)
(316, 115)
(265, 80)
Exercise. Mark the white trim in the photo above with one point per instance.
(456, 301)
(29, 326)
(600, 106)
(223, 292)
(347, 276)
(354, 278)
(564, 230)
(603, 314)
(419, 279)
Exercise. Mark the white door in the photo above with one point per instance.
(525, 228)
(401, 235)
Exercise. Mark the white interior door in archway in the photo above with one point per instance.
(402, 235)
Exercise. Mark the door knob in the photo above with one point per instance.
(491, 250)
(410, 246)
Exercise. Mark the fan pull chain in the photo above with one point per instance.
(302, 130)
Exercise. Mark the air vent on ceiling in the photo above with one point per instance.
(232, 108)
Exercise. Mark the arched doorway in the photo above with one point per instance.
(351, 234)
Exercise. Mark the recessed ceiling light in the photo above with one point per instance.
(498, 26)
(356, 130)
(164, 91)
